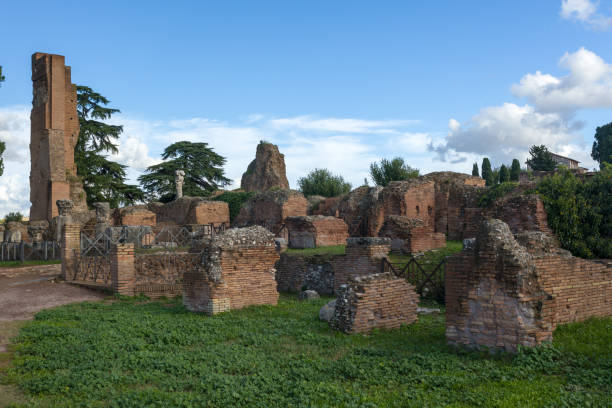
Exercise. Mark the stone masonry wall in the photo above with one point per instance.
(315, 231)
(363, 256)
(237, 270)
(54, 133)
(411, 235)
(270, 209)
(502, 292)
(374, 301)
(294, 273)
(191, 210)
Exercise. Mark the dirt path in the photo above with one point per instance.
(25, 291)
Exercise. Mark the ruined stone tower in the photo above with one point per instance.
(54, 133)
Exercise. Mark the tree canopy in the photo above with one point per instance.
(475, 170)
(602, 146)
(103, 179)
(322, 182)
(487, 172)
(504, 174)
(391, 170)
(1, 76)
(515, 170)
(541, 159)
(202, 166)
(2, 149)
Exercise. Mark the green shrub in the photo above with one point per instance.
(321, 182)
(13, 216)
(391, 170)
(580, 211)
(496, 192)
(235, 200)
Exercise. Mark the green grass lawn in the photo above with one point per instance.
(131, 353)
(17, 264)
(326, 250)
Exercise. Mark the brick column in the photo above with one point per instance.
(122, 268)
(71, 246)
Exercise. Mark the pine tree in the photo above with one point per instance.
(504, 175)
(475, 170)
(202, 166)
(515, 170)
(103, 179)
(541, 159)
(487, 172)
(602, 146)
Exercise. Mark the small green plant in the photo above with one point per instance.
(235, 200)
(13, 216)
(323, 183)
(495, 192)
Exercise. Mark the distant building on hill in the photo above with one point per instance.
(565, 161)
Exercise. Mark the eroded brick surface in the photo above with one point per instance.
(270, 209)
(315, 231)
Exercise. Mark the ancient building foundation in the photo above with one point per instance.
(316, 231)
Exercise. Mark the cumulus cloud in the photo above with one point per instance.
(585, 11)
(588, 85)
(507, 131)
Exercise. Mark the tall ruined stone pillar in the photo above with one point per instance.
(54, 133)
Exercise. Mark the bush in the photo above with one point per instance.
(13, 216)
(495, 192)
(321, 182)
(235, 200)
(391, 170)
(580, 211)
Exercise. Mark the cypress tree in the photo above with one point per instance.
(487, 172)
(515, 170)
(475, 170)
(504, 175)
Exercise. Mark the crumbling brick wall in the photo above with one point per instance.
(270, 209)
(237, 270)
(411, 235)
(134, 215)
(521, 213)
(191, 210)
(315, 231)
(499, 294)
(374, 301)
(363, 256)
(316, 272)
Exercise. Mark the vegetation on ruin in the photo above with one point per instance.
(322, 251)
(322, 182)
(579, 211)
(496, 192)
(202, 166)
(103, 179)
(515, 170)
(130, 353)
(602, 146)
(541, 159)
(391, 170)
(13, 216)
(504, 174)
(475, 170)
(235, 200)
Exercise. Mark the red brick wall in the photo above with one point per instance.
(521, 213)
(71, 245)
(314, 272)
(209, 212)
(422, 239)
(375, 301)
(122, 269)
(315, 231)
(363, 256)
(137, 216)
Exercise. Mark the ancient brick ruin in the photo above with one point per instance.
(54, 134)
(374, 301)
(237, 270)
(504, 291)
(266, 171)
(363, 256)
(410, 235)
(191, 210)
(315, 231)
(270, 209)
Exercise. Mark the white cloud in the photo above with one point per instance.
(585, 11)
(346, 125)
(588, 85)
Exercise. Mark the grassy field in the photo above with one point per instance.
(18, 264)
(132, 353)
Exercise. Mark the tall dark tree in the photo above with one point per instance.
(475, 170)
(541, 159)
(487, 172)
(2, 149)
(202, 166)
(504, 174)
(515, 170)
(391, 170)
(103, 179)
(602, 146)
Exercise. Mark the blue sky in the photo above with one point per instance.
(336, 84)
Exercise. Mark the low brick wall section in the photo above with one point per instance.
(316, 231)
(316, 272)
(411, 235)
(374, 301)
(503, 292)
(237, 270)
(363, 256)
